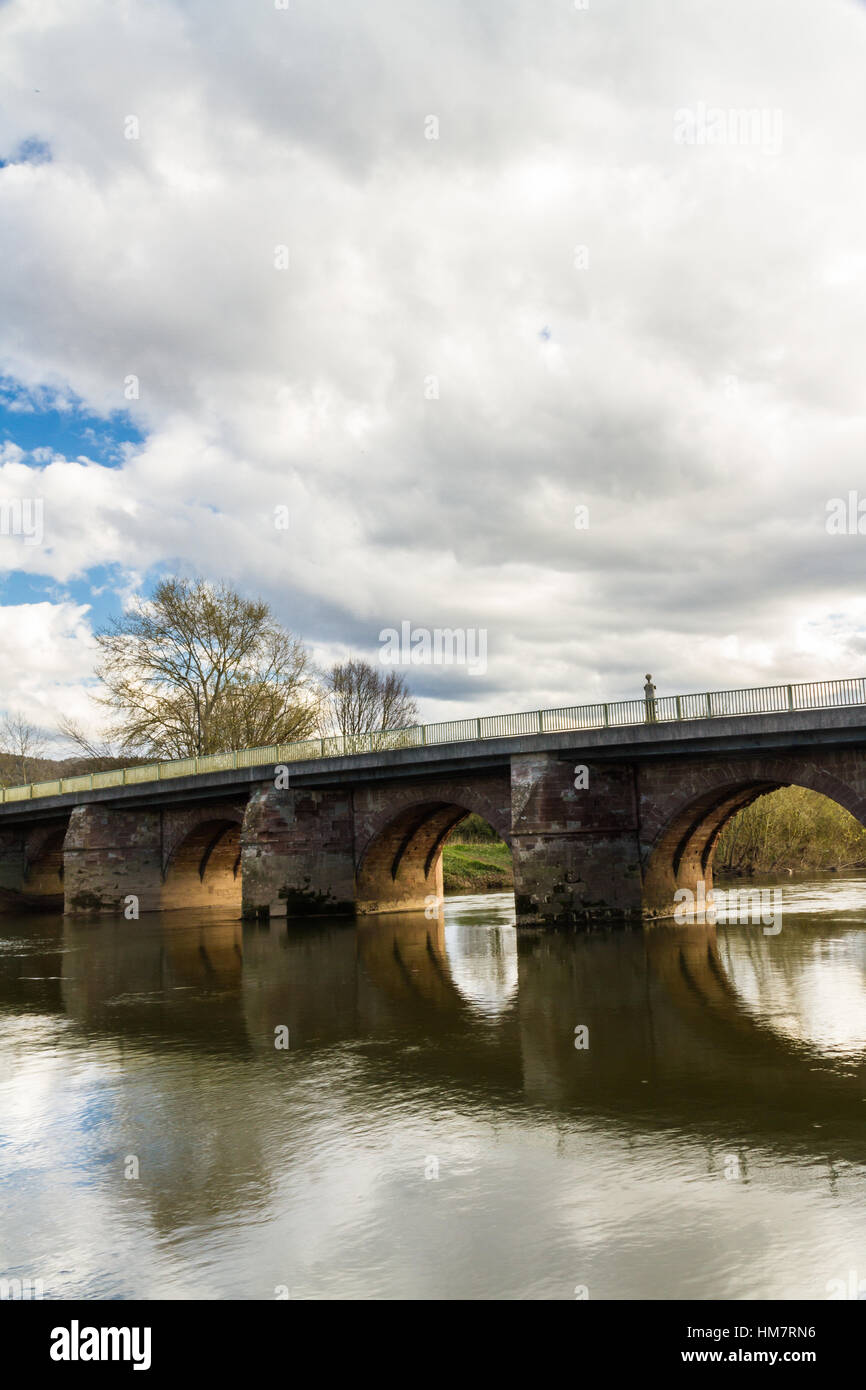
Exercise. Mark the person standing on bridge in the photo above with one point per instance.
(649, 692)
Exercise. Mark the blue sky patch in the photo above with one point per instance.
(98, 588)
(39, 419)
(30, 151)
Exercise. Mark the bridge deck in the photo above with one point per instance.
(726, 734)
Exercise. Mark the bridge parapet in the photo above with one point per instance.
(621, 714)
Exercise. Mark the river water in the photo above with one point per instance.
(432, 1130)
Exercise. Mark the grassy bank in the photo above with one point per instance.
(475, 860)
(477, 867)
(791, 828)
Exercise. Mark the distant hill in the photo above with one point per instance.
(46, 769)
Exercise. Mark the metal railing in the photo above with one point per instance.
(712, 704)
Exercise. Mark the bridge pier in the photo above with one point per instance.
(110, 854)
(576, 851)
(297, 853)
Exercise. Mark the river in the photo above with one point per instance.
(404, 1108)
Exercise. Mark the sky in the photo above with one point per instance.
(534, 318)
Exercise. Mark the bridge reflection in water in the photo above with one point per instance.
(721, 1095)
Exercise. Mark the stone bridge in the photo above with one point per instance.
(364, 833)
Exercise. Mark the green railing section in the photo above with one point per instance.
(713, 704)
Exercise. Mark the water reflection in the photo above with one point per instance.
(816, 996)
(432, 1130)
(481, 944)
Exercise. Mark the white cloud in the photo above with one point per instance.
(700, 389)
(47, 659)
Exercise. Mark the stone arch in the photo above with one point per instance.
(34, 867)
(492, 803)
(679, 835)
(178, 825)
(202, 858)
(399, 862)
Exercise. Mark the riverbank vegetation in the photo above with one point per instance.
(477, 868)
(791, 828)
(475, 860)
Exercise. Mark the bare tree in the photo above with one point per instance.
(22, 742)
(360, 699)
(96, 752)
(198, 668)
